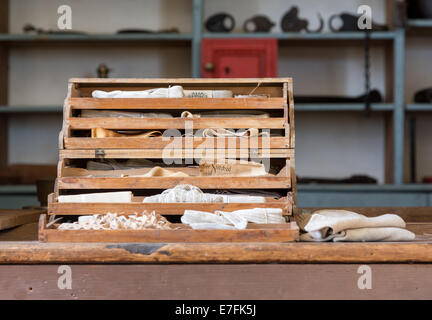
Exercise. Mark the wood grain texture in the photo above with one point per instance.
(222, 252)
(174, 123)
(227, 282)
(170, 182)
(180, 233)
(177, 103)
(233, 81)
(25, 232)
(177, 153)
(160, 143)
(160, 208)
(15, 217)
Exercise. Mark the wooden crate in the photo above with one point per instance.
(286, 232)
(75, 146)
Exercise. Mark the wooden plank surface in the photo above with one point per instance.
(174, 123)
(254, 233)
(14, 217)
(227, 282)
(160, 208)
(25, 232)
(171, 153)
(170, 182)
(161, 142)
(179, 80)
(177, 103)
(144, 253)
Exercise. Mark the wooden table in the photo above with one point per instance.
(29, 269)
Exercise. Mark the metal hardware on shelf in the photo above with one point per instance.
(100, 153)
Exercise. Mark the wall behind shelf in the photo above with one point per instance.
(104, 16)
(38, 76)
(418, 76)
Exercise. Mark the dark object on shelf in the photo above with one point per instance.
(220, 22)
(44, 187)
(354, 179)
(423, 96)
(258, 23)
(290, 22)
(147, 31)
(103, 71)
(29, 28)
(427, 180)
(349, 23)
(374, 97)
(419, 9)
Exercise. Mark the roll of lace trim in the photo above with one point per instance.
(184, 193)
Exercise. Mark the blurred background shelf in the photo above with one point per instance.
(420, 23)
(342, 106)
(30, 109)
(30, 38)
(382, 35)
(393, 111)
(419, 107)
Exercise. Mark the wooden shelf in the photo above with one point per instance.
(298, 107)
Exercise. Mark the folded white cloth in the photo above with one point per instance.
(172, 92)
(104, 197)
(242, 198)
(238, 219)
(343, 225)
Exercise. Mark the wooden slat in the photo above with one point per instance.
(278, 234)
(254, 233)
(170, 182)
(177, 153)
(230, 253)
(12, 217)
(233, 81)
(160, 142)
(160, 208)
(175, 123)
(177, 103)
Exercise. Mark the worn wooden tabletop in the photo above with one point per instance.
(33, 270)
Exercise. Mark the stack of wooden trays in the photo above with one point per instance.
(77, 147)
